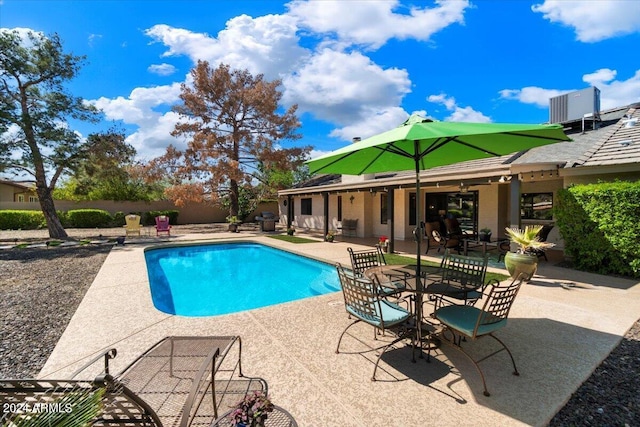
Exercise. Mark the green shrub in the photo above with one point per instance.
(600, 228)
(21, 220)
(149, 218)
(118, 219)
(89, 218)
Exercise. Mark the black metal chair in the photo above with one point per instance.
(369, 258)
(463, 279)
(364, 301)
(464, 321)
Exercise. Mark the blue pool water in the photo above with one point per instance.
(215, 279)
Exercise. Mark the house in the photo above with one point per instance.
(11, 191)
(517, 189)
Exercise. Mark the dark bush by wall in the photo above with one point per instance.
(149, 218)
(600, 227)
(89, 218)
(21, 220)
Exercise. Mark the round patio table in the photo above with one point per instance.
(279, 417)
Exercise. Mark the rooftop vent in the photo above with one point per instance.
(575, 106)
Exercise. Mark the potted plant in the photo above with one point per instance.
(383, 241)
(291, 230)
(330, 236)
(233, 223)
(484, 235)
(525, 259)
(252, 410)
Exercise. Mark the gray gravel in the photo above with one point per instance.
(40, 290)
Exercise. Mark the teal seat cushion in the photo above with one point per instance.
(392, 314)
(463, 318)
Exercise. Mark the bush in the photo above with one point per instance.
(118, 219)
(599, 225)
(21, 220)
(149, 218)
(89, 218)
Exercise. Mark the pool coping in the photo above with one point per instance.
(561, 327)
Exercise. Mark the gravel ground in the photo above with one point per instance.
(33, 319)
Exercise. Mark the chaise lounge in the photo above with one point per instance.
(180, 381)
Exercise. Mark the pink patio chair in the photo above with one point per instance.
(162, 225)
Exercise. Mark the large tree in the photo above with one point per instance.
(36, 138)
(234, 127)
(108, 171)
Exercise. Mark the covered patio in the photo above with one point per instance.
(563, 324)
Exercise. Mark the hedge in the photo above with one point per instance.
(89, 218)
(600, 228)
(21, 220)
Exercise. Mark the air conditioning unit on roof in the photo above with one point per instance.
(575, 106)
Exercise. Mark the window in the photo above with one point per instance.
(383, 208)
(21, 197)
(33, 199)
(536, 206)
(412, 208)
(339, 208)
(305, 206)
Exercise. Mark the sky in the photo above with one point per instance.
(354, 68)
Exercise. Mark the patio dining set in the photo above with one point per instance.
(465, 307)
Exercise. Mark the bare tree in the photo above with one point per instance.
(232, 122)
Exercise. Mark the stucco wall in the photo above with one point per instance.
(190, 214)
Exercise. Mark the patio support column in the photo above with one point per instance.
(289, 211)
(514, 201)
(325, 200)
(390, 218)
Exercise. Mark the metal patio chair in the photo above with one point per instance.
(180, 381)
(464, 321)
(462, 280)
(364, 302)
(369, 258)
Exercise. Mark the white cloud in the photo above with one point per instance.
(345, 87)
(593, 21)
(163, 69)
(93, 38)
(532, 95)
(373, 23)
(600, 77)
(24, 33)
(140, 108)
(372, 122)
(267, 44)
(458, 114)
(613, 93)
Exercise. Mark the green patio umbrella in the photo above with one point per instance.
(420, 144)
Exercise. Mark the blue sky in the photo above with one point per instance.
(355, 68)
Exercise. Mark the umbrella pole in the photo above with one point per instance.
(418, 237)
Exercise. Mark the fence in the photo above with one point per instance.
(189, 214)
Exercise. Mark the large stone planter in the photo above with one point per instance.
(525, 263)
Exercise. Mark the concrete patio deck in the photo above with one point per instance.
(563, 324)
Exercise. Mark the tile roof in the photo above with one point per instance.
(620, 146)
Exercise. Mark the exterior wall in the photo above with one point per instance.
(190, 214)
(489, 209)
(6, 192)
(590, 179)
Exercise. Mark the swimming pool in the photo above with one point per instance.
(209, 280)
